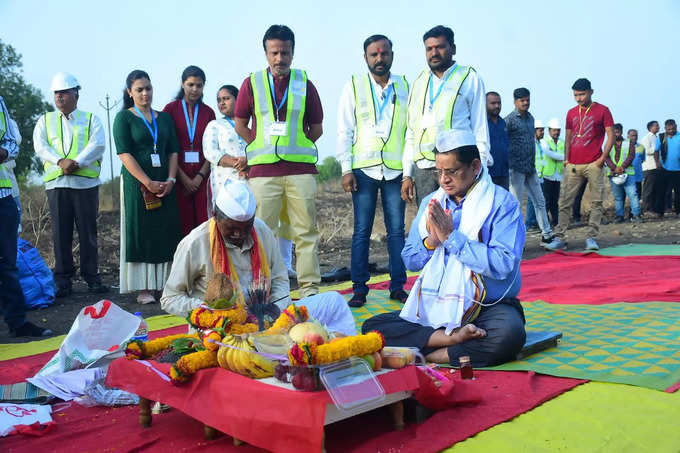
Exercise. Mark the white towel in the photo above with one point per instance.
(443, 292)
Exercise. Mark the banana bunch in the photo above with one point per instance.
(243, 360)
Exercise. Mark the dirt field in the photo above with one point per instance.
(335, 225)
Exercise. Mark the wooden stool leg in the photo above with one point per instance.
(209, 432)
(144, 412)
(397, 411)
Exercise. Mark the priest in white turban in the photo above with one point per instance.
(240, 245)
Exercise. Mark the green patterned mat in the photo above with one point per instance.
(641, 249)
(636, 344)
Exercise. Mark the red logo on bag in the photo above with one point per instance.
(92, 310)
(18, 411)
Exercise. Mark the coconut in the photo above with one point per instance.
(219, 292)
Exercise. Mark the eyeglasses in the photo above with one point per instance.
(449, 172)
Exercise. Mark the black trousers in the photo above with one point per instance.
(551, 193)
(12, 300)
(79, 206)
(651, 183)
(503, 322)
(576, 209)
(668, 180)
(426, 182)
(503, 181)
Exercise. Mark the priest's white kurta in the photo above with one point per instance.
(192, 269)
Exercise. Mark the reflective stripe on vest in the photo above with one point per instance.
(5, 181)
(539, 159)
(551, 165)
(293, 147)
(79, 140)
(625, 148)
(424, 138)
(369, 149)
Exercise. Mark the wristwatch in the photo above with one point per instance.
(173, 180)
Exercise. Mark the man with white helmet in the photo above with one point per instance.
(553, 159)
(70, 142)
(235, 241)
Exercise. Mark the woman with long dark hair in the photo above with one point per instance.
(147, 146)
(191, 116)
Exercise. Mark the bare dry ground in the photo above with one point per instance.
(334, 209)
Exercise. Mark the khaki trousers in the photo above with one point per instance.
(573, 177)
(293, 197)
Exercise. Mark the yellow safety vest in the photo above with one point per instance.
(5, 181)
(424, 135)
(292, 147)
(79, 140)
(625, 148)
(551, 165)
(369, 149)
(539, 158)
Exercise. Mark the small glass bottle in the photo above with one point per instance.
(465, 368)
(142, 332)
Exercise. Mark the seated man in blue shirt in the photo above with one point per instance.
(467, 238)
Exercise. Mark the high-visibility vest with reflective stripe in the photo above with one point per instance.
(539, 158)
(79, 140)
(293, 147)
(369, 149)
(424, 138)
(625, 148)
(5, 181)
(551, 165)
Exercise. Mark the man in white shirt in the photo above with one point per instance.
(650, 167)
(70, 142)
(371, 128)
(447, 96)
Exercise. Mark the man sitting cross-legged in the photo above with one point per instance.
(467, 238)
(235, 241)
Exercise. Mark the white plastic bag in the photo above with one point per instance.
(98, 335)
(12, 415)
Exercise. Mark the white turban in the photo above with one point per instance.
(453, 139)
(236, 201)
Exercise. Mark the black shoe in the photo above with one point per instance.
(604, 221)
(619, 219)
(357, 300)
(336, 275)
(30, 330)
(98, 288)
(399, 295)
(547, 240)
(63, 291)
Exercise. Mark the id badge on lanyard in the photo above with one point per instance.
(278, 128)
(155, 160)
(191, 157)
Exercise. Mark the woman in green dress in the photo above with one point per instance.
(147, 145)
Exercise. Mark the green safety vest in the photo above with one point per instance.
(370, 149)
(625, 148)
(539, 158)
(424, 137)
(5, 181)
(79, 140)
(293, 147)
(551, 165)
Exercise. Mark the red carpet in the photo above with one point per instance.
(506, 395)
(578, 278)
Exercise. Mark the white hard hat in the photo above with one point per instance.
(538, 124)
(63, 81)
(620, 179)
(554, 123)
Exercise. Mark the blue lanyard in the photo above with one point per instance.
(191, 129)
(230, 121)
(154, 131)
(283, 99)
(433, 97)
(381, 107)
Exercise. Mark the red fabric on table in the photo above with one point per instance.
(506, 395)
(590, 278)
(244, 408)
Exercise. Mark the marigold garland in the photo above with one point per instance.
(138, 349)
(215, 335)
(205, 318)
(189, 364)
(340, 349)
(239, 329)
(288, 318)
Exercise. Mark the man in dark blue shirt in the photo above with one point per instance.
(498, 137)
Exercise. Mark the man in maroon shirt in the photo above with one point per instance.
(587, 124)
(286, 179)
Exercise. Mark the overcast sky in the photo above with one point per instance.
(628, 49)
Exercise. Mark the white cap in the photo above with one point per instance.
(63, 81)
(538, 124)
(236, 201)
(554, 123)
(453, 139)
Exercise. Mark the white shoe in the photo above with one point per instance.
(591, 244)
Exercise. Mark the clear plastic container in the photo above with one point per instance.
(142, 332)
(305, 378)
(351, 384)
(398, 357)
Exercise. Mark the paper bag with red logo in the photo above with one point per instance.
(98, 335)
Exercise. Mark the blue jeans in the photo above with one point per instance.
(364, 201)
(12, 301)
(530, 220)
(620, 193)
